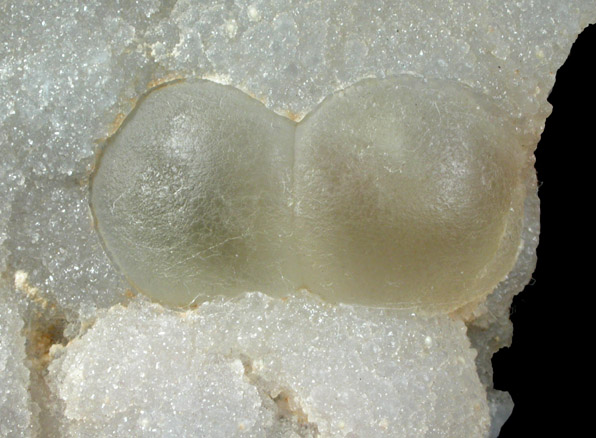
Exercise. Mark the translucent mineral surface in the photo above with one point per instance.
(398, 192)
(410, 190)
(191, 196)
(79, 356)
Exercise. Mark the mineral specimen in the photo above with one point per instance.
(408, 193)
(400, 192)
(258, 366)
(191, 197)
(80, 355)
(15, 402)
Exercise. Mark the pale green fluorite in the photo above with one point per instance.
(407, 189)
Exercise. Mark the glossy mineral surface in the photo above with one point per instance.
(249, 368)
(400, 192)
(80, 357)
(191, 195)
(410, 190)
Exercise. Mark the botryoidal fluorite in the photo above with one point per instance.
(401, 192)
(368, 150)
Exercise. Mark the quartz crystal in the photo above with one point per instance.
(315, 83)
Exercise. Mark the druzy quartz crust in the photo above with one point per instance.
(327, 206)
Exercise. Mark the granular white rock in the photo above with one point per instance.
(160, 385)
(342, 371)
(412, 190)
(69, 72)
(16, 417)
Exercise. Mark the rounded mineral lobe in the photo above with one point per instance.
(399, 192)
(190, 195)
(410, 190)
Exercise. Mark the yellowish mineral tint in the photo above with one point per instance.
(407, 189)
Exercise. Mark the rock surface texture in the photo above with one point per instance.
(402, 193)
(82, 355)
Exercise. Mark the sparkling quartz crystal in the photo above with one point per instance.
(16, 409)
(243, 366)
(80, 355)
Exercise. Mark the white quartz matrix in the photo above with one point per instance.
(15, 402)
(82, 355)
(258, 367)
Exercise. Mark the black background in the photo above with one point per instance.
(547, 369)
